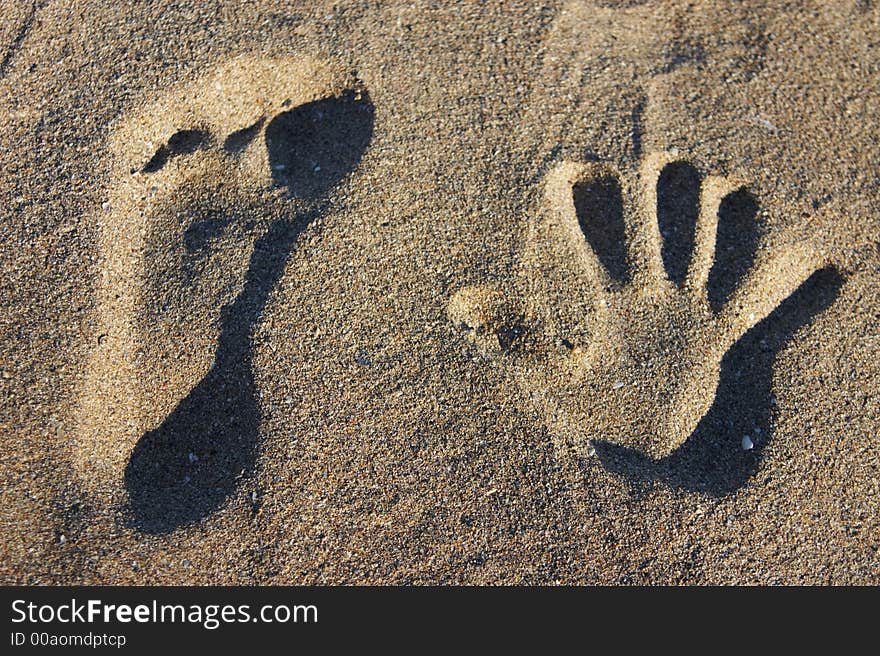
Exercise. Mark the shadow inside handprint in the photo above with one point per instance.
(675, 367)
(599, 207)
(183, 470)
(712, 460)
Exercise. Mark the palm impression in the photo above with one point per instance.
(639, 364)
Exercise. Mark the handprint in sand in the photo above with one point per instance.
(640, 366)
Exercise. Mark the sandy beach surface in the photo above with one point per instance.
(439, 293)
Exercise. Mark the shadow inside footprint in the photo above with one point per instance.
(186, 468)
(313, 146)
(712, 460)
(183, 470)
(182, 142)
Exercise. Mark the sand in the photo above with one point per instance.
(417, 293)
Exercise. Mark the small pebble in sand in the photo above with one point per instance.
(617, 385)
(747, 443)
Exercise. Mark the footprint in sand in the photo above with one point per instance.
(669, 306)
(211, 187)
